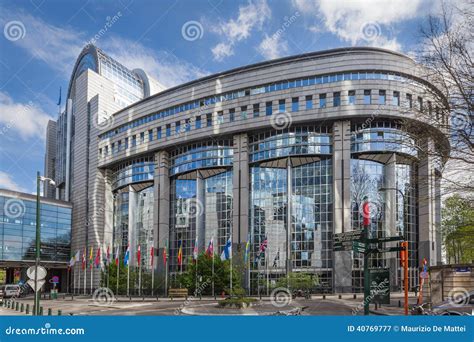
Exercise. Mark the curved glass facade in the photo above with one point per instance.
(293, 141)
(382, 136)
(199, 156)
(138, 170)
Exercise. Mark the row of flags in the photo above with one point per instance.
(225, 255)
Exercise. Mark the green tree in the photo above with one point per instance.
(203, 270)
(458, 229)
(298, 281)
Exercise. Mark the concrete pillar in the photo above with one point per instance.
(426, 205)
(161, 212)
(200, 210)
(240, 183)
(342, 266)
(390, 222)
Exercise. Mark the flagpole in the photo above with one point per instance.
(266, 269)
(128, 278)
(213, 293)
(118, 274)
(85, 279)
(140, 277)
(152, 273)
(166, 277)
(231, 273)
(92, 276)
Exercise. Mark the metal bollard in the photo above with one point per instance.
(22, 307)
(50, 311)
(60, 312)
(355, 296)
(324, 296)
(376, 306)
(340, 296)
(399, 303)
(41, 311)
(17, 306)
(27, 309)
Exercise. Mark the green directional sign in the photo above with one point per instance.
(386, 239)
(358, 244)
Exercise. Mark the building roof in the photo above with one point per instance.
(31, 197)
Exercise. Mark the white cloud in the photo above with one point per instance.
(26, 119)
(251, 17)
(6, 182)
(165, 67)
(273, 47)
(59, 48)
(362, 21)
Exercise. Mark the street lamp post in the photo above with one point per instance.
(404, 244)
(39, 179)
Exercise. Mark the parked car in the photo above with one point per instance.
(463, 304)
(1, 295)
(10, 290)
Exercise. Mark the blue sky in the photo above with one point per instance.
(174, 41)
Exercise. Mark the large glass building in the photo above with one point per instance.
(18, 236)
(283, 151)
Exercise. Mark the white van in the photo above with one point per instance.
(10, 290)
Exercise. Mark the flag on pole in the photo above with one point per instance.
(139, 255)
(107, 256)
(84, 259)
(97, 258)
(262, 248)
(247, 251)
(71, 263)
(127, 256)
(227, 252)
(165, 255)
(152, 256)
(91, 257)
(195, 250)
(180, 254)
(117, 256)
(210, 248)
(77, 257)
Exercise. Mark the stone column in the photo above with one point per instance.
(426, 205)
(342, 265)
(161, 210)
(390, 222)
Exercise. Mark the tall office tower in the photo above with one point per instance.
(50, 158)
(99, 86)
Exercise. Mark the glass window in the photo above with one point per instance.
(322, 100)
(410, 101)
(352, 97)
(243, 112)
(232, 114)
(197, 124)
(420, 103)
(256, 110)
(142, 137)
(396, 98)
(220, 117)
(209, 120)
(295, 104)
(158, 133)
(367, 97)
(309, 102)
(150, 135)
(168, 130)
(268, 108)
(187, 126)
(134, 140)
(281, 106)
(336, 99)
(382, 97)
(178, 127)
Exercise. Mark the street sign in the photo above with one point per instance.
(31, 282)
(358, 249)
(387, 250)
(30, 272)
(358, 244)
(386, 239)
(342, 246)
(379, 280)
(348, 236)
